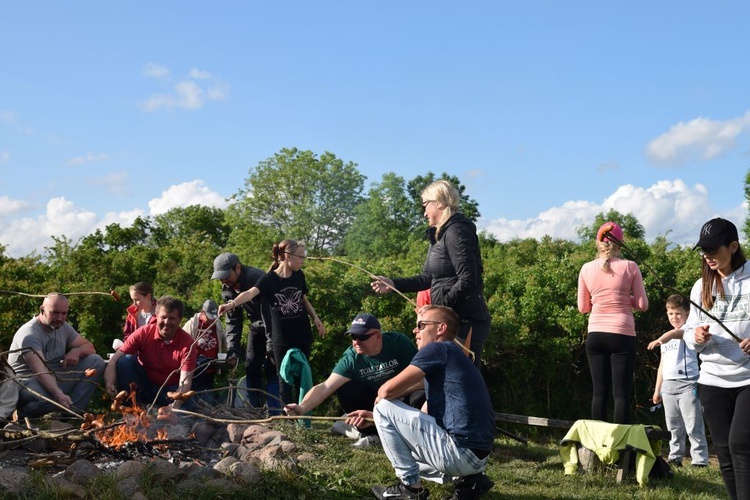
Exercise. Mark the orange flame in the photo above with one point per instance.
(136, 423)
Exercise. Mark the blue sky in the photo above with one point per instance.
(549, 112)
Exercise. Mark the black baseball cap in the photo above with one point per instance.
(717, 232)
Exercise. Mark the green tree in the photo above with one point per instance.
(304, 197)
(746, 229)
(468, 206)
(629, 224)
(192, 224)
(383, 223)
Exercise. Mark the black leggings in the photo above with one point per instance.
(727, 412)
(612, 364)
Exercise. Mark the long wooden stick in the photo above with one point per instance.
(471, 353)
(672, 289)
(371, 275)
(258, 420)
(111, 293)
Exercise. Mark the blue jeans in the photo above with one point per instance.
(72, 381)
(417, 446)
(130, 370)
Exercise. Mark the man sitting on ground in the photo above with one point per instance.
(51, 360)
(373, 358)
(453, 438)
(158, 358)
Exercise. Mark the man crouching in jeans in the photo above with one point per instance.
(452, 437)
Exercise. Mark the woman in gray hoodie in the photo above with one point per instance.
(724, 381)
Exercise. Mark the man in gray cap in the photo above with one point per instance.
(236, 278)
(211, 339)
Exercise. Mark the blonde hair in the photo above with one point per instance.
(279, 251)
(607, 250)
(446, 196)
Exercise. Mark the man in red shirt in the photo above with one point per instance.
(158, 358)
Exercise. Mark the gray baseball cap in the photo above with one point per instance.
(223, 265)
(211, 309)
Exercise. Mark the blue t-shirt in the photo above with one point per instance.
(457, 395)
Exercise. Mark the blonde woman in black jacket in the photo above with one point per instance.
(453, 269)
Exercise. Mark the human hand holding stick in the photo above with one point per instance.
(605, 233)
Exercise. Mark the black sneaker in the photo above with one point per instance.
(675, 463)
(474, 486)
(399, 491)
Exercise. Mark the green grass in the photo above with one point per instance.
(532, 471)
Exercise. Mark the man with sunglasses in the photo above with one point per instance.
(373, 358)
(451, 438)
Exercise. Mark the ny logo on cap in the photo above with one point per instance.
(706, 229)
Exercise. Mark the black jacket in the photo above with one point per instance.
(257, 309)
(453, 270)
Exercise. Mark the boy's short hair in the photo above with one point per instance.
(677, 301)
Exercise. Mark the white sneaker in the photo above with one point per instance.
(365, 441)
(341, 427)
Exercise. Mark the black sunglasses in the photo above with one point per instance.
(423, 323)
(362, 338)
(708, 251)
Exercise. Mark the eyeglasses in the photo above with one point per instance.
(426, 202)
(421, 324)
(362, 338)
(708, 251)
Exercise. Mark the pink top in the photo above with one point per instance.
(610, 296)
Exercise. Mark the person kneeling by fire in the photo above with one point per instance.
(156, 358)
(450, 439)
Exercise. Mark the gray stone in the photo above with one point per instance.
(128, 487)
(252, 431)
(81, 472)
(288, 447)
(203, 472)
(163, 470)
(245, 472)
(306, 457)
(66, 488)
(224, 464)
(269, 437)
(131, 468)
(12, 478)
(229, 448)
(203, 432)
(188, 486)
(235, 432)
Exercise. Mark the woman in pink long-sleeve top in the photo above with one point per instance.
(610, 288)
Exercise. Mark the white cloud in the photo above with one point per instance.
(10, 119)
(186, 194)
(156, 71)
(197, 74)
(89, 158)
(113, 182)
(62, 218)
(192, 92)
(697, 140)
(9, 207)
(4, 157)
(666, 207)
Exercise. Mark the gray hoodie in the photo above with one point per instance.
(723, 362)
